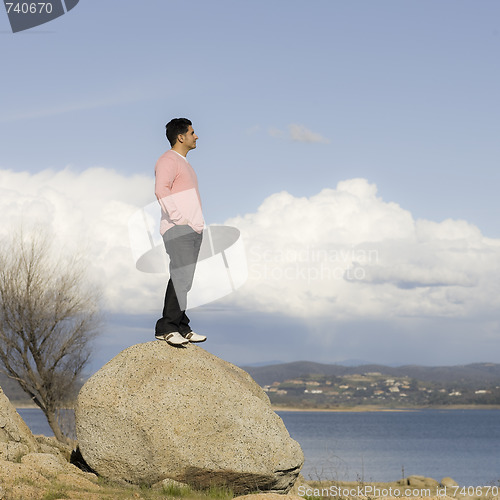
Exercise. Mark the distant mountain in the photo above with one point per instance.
(353, 362)
(17, 396)
(467, 375)
(266, 363)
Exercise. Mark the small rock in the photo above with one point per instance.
(44, 463)
(448, 482)
(52, 445)
(78, 481)
(13, 451)
(170, 483)
(421, 482)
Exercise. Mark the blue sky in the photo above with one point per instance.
(288, 98)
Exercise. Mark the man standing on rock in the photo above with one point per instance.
(181, 226)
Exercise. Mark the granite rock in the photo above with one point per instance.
(16, 439)
(156, 412)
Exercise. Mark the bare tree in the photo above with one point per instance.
(48, 316)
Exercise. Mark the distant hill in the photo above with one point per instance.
(466, 375)
(12, 390)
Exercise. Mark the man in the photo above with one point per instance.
(181, 225)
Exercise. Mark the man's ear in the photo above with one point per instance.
(180, 138)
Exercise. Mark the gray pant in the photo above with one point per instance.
(182, 244)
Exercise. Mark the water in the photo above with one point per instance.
(384, 446)
(36, 421)
(377, 446)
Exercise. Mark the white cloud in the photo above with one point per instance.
(298, 133)
(342, 254)
(347, 254)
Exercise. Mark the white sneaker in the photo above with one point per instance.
(173, 338)
(194, 337)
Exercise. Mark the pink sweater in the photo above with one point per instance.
(176, 188)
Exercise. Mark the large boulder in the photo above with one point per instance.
(155, 412)
(16, 439)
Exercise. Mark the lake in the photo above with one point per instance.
(384, 446)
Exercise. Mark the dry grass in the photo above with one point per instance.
(66, 487)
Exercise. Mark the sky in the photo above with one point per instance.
(354, 145)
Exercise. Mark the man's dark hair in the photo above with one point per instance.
(175, 127)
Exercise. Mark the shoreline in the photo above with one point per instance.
(365, 409)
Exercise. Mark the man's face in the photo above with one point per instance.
(189, 138)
